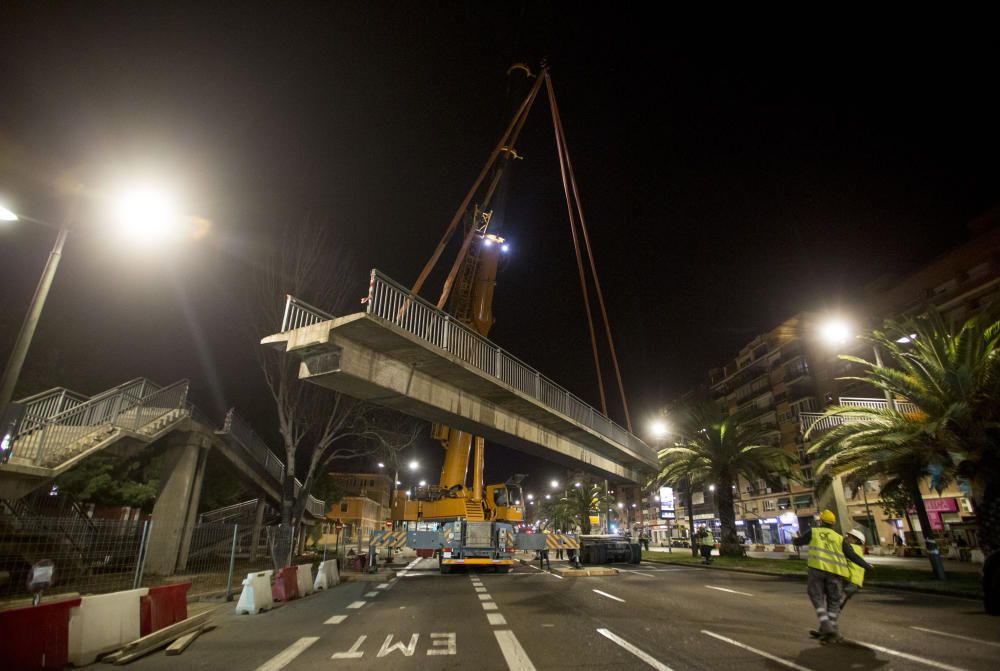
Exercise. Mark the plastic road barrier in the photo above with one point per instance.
(286, 585)
(327, 575)
(102, 623)
(163, 606)
(256, 595)
(36, 637)
(304, 576)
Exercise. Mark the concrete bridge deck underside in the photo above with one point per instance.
(369, 358)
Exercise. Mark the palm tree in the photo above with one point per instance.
(576, 507)
(951, 376)
(717, 448)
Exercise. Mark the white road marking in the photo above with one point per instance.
(353, 653)
(357, 604)
(648, 575)
(610, 596)
(912, 658)
(489, 605)
(964, 638)
(543, 571)
(384, 585)
(480, 589)
(447, 641)
(515, 656)
(484, 597)
(496, 618)
(731, 591)
(282, 659)
(371, 594)
(407, 650)
(653, 662)
(336, 619)
(779, 660)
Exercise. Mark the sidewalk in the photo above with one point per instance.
(916, 563)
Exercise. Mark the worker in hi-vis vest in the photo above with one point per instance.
(829, 567)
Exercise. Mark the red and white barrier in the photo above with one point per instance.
(304, 577)
(102, 623)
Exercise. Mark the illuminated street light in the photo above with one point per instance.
(548, 497)
(381, 465)
(414, 465)
(423, 483)
(555, 484)
(148, 210)
(577, 484)
(835, 331)
(146, 215)
(711, 488)
(658, 428)
(621, 505)
(531, 497)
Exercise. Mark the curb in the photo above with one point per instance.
(902, 587)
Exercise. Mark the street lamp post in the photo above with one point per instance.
(13, 369)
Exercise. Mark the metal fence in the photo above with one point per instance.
(394, 303)
(91, 556)
(97, 556)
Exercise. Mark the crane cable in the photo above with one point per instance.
(525, 105)
(563, 149)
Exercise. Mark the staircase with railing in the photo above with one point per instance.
(60, 426)
(239, 433)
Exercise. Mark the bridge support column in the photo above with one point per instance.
(258, 522)
(176, 508)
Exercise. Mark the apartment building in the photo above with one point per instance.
(789, 370)
(364, 506)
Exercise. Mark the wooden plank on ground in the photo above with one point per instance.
(181, 644)
(147, 644)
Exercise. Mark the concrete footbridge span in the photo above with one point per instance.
(405, 354)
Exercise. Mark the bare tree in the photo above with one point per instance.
(317, 426)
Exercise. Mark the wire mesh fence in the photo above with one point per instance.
(91, 556)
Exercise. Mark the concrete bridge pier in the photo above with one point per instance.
(176, 509)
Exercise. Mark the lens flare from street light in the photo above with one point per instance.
(7, 215)
(146, 215)
(835, 331)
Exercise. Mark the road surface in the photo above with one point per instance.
(649, 616)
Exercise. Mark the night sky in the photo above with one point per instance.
(731, 175)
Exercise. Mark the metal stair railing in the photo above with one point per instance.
(249, 440)
(244, 509)
(43, 405)
(130, 406)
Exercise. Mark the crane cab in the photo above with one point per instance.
(505, 502)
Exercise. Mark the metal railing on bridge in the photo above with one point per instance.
(59, 419)
(393, 303)
(258, 450)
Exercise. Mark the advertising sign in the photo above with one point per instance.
(667, 511)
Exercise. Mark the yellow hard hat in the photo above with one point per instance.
(828, 517)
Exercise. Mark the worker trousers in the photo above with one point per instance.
(826, 591)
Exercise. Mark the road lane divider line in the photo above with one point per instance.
(480, 590)
(489, 605)
(731, 591)
(766, 655)
(648, 575)
(652, 661)
(336, 619)
(485, 597)
(610, 596)
(904, 655)
(544, 571)
(370, 595)
(496, 619)
(964, 638)
(384, 585)
(283, 658)
(357, 604)
(515, 656)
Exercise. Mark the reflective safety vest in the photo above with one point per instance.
(826, 553)
(857, 573)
